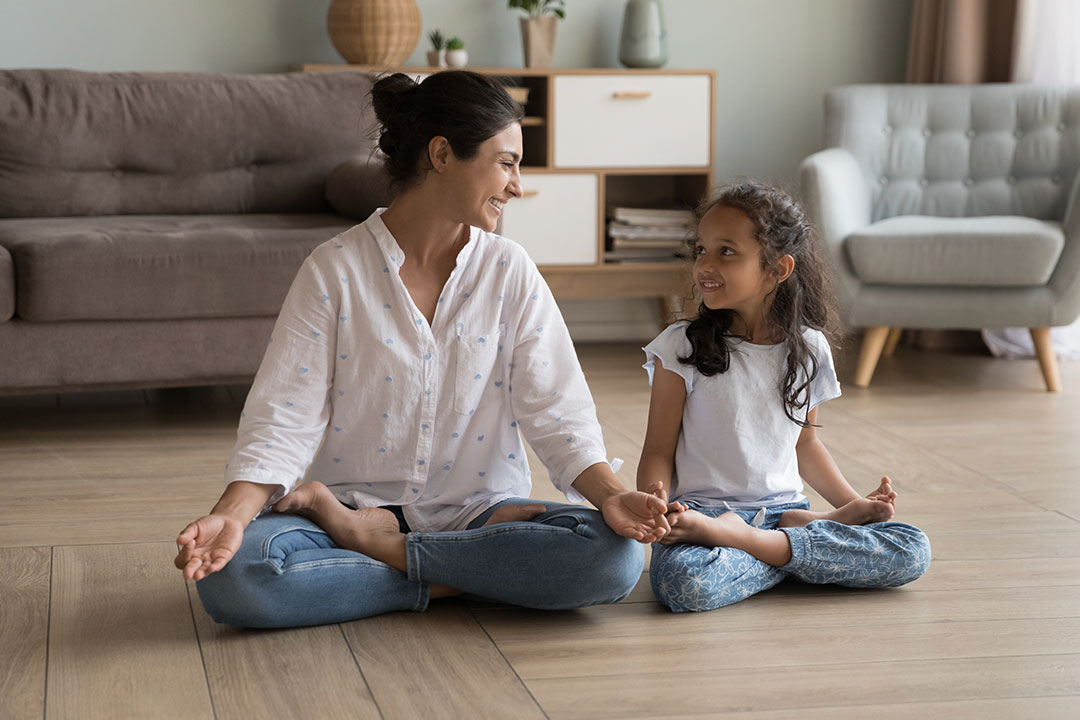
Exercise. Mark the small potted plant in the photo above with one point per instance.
(538, 29)
(436, 56)
(456, 55)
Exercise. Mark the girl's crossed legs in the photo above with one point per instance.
(690, 578)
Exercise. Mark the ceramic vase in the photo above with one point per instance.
(538, 40)
(644, 38)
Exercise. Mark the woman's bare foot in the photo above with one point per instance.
(371, 531)
(860, 511)
(884, 492)
(515, 513)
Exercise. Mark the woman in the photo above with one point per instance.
(408, 355)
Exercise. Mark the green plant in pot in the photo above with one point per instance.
(538, 29)
(436, 56)
(456, 55)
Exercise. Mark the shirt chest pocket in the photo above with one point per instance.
(476, 369)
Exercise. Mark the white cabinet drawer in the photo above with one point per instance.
(557, 221)
(632, 120)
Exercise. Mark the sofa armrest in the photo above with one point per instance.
(7, 285)
(358, 186)
(837, 201)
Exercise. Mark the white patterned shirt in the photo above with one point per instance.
(356, 390)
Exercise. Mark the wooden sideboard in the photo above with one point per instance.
(596, 139)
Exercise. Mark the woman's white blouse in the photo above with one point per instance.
(356, 390)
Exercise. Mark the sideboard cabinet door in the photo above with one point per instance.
(558, 219)
(625, 120)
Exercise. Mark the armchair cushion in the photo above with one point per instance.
(971, 251)
(357, 187)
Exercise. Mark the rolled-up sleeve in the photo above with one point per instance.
(550, 398)
(287, 409)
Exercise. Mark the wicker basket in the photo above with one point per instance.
(374, 32)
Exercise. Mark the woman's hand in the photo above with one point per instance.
(207, 544)
(636, 515)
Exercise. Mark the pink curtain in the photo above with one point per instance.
(961, 41)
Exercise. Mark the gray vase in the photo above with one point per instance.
(644, 37)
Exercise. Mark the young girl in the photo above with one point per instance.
(732, 423)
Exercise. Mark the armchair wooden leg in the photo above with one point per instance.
(1044, 350)
(873, 344)
(891, 342)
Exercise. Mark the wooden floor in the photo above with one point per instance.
(96, 623)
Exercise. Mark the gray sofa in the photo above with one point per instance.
(151, 223)
(950, 206)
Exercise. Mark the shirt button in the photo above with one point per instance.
(1061, 127)
(924, 182)
(970, 133)
(969, 182)
(887, 129)
(884, 180)
(1018, 133)
(927, 132)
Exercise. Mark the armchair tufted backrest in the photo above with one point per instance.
(80, 143)
(960, 150)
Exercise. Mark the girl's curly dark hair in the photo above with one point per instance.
(804, 300)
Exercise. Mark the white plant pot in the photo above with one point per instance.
(457, 58)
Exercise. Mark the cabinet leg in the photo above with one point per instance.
(1044, 351)
(873, 344)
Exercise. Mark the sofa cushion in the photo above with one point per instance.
(974, 251)
(159, 267)
(7, 285)
(75, 143)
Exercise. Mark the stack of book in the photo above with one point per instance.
(647, 235)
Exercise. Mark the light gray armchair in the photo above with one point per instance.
(950, 206)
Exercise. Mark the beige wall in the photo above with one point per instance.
(775, 59)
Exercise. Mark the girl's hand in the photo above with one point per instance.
(636, 515)
(657, 488)
(884, 492)
(207, 544)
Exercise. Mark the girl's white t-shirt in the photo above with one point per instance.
(737, 445)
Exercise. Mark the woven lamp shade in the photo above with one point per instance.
(374, 32)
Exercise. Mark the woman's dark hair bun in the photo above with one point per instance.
(464, 107)
(388, 95)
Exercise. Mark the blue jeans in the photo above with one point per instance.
(691, 578)
(289, 573)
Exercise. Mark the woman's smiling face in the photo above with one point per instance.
(483, 184)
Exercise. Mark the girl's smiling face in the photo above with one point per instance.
(727, 264)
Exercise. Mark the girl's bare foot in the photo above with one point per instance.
(728, 530)
(371, 531)
(860, 511)
(515, 513)
(694, 528)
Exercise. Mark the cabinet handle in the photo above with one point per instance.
(529, 193)
(632, 95)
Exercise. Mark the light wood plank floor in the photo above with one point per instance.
(95, 622)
